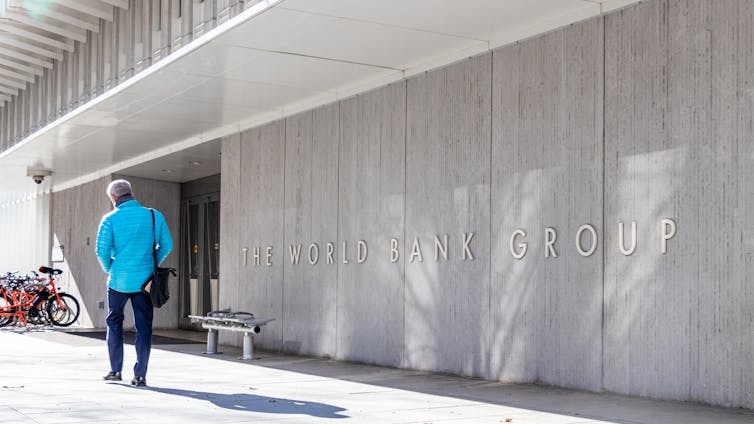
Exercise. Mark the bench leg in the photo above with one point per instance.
(211, 341)
(248, 346)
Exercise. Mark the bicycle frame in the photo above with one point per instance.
(19, 302)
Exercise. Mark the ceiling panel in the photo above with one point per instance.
(96, 119)
(246, 94)
(80, 159)
(140, 139)
(116, 103)
(165, 83)
(285, 69)
(213, 59)
(341, 39)
(178, 167)
(214, 113)
(70, 131)
(452, 17)
(148, 93)
(169, 129)
(102, 149)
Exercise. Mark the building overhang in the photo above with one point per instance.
(275, 59)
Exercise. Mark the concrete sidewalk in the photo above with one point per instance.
(55, 377)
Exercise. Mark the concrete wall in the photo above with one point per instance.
(371, 207)
(547, 171)
(230, 230)
(448, 194)
(640, 115)
(76, 214)
(166, 197)
(262, 194)
(311, 198)
(678, 142)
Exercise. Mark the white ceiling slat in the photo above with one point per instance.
(93, 8)
(34, 33)
(66, 31)
(11, 42)
(37, 70)
(8, 90)
(57, 14)
(122, 4)
(35, 36)
(14, 74)
(4, 98)
(25, 57)
(10, 82)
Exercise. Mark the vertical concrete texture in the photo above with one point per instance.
(448, 194)
(639, 115)
(311, 222)
(76, 215)
(371, 206)
(230, 229)
(166, 197)
(678, 145)
(547, 172)
(261, 201)
(741, 313)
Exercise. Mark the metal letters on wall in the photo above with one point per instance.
(586, 242)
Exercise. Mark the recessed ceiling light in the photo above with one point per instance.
(168, 171)
(195, 163)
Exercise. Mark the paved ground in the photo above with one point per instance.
(54, 377)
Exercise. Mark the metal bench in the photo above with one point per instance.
(243, 322)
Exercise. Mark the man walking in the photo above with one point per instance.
(125, 242)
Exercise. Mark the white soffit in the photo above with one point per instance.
(188, 164)
(283, 58)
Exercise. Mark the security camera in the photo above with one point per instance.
(38, 175)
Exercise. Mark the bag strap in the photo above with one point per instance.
(154, 241)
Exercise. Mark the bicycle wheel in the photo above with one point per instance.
(6, 312)
(65, 312)
(36, 316)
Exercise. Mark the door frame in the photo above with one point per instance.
(202, 201)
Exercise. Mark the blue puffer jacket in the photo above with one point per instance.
(124, 245)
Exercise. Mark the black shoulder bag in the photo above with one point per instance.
(156, 287)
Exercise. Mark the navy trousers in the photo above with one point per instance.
(143, 314)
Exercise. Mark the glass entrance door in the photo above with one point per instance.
(200, 286)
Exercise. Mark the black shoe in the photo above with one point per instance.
(112, 376)
(139, 381)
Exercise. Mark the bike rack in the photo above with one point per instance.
(243, 322)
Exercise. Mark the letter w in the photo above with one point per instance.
(295, 253)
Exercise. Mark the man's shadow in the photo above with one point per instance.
(254, 403)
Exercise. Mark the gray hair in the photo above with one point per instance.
(119, 188)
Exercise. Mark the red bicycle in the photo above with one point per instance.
(35, 300)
